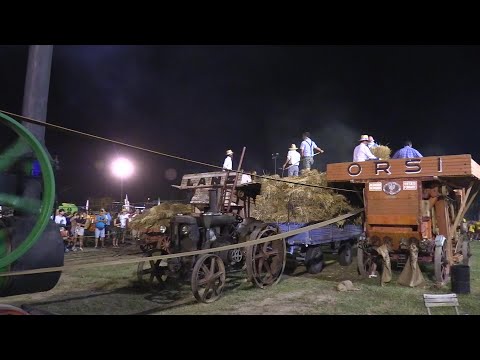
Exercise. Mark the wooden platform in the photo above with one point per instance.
(432, 166)
(436, 300)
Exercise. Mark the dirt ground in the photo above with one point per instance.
(116, 290)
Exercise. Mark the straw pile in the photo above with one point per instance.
(306, 204)
(383, 152)
(150, 220)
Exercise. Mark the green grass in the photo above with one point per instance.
(110, 290)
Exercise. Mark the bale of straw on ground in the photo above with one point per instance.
(153, 218)
(306, 204)
(383, 152)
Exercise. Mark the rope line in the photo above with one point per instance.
(81, 133)
(190, 253)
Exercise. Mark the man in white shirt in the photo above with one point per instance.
(123, 219)
(293, 158)
(60, 219)
(227, 163)
(362, 152)
(307, 149)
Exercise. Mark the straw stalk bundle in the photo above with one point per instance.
(153, 218)
(306, 204)
(383, 152)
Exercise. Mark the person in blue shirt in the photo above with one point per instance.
(100, 222)
(407, 152)
(108, 223)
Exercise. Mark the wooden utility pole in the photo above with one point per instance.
(37, 82)
(35, 100)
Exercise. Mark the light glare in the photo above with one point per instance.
(122, 168)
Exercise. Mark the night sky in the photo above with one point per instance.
(198, 101)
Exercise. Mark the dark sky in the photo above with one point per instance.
(198, 101)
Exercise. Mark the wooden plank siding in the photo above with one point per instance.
(431, 166)
(383, 205)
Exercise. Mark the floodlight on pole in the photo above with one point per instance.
(122, 168)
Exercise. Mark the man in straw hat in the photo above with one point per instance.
(362, 152)
(293, 158)
(227, 163)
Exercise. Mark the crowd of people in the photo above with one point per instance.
(73, 227)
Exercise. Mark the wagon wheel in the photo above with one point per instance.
(314, 260)
(467, 255)
(25, 144)
(442, 267)
(364, 262)
(208, 278)
(266, 262)
(151, 270)
(345, 255)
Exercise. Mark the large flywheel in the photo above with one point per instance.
(28, 239)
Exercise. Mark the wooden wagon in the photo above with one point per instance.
(413, 202)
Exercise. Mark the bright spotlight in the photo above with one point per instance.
(122, 168)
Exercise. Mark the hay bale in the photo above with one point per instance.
(156, 216)
(383, 152)
(306, 204)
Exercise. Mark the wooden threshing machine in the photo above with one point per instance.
(418, 202)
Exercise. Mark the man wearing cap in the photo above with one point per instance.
(293, 158)
(362, 152)
(307, 149)
(227, 164)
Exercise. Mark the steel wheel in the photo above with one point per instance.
(442, 267)
(266, 262)
(208, 278)
(364, 262)
(149, 271)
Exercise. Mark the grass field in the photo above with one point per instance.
(113, 290)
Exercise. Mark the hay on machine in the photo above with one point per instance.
(282, 202)
(151, 219)
(382, 152)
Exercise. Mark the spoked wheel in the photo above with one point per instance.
(364, 262)
(208, 278)
(152, 271)
(442, 267)
(266, 262)
(314, 260)
(345, 255)
(467, 255)
(19, 159)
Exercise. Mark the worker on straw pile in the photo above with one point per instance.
(371, 142)
(362, 152)
(307, 149)
(227, 163)
(407, 152)
(293, 159)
